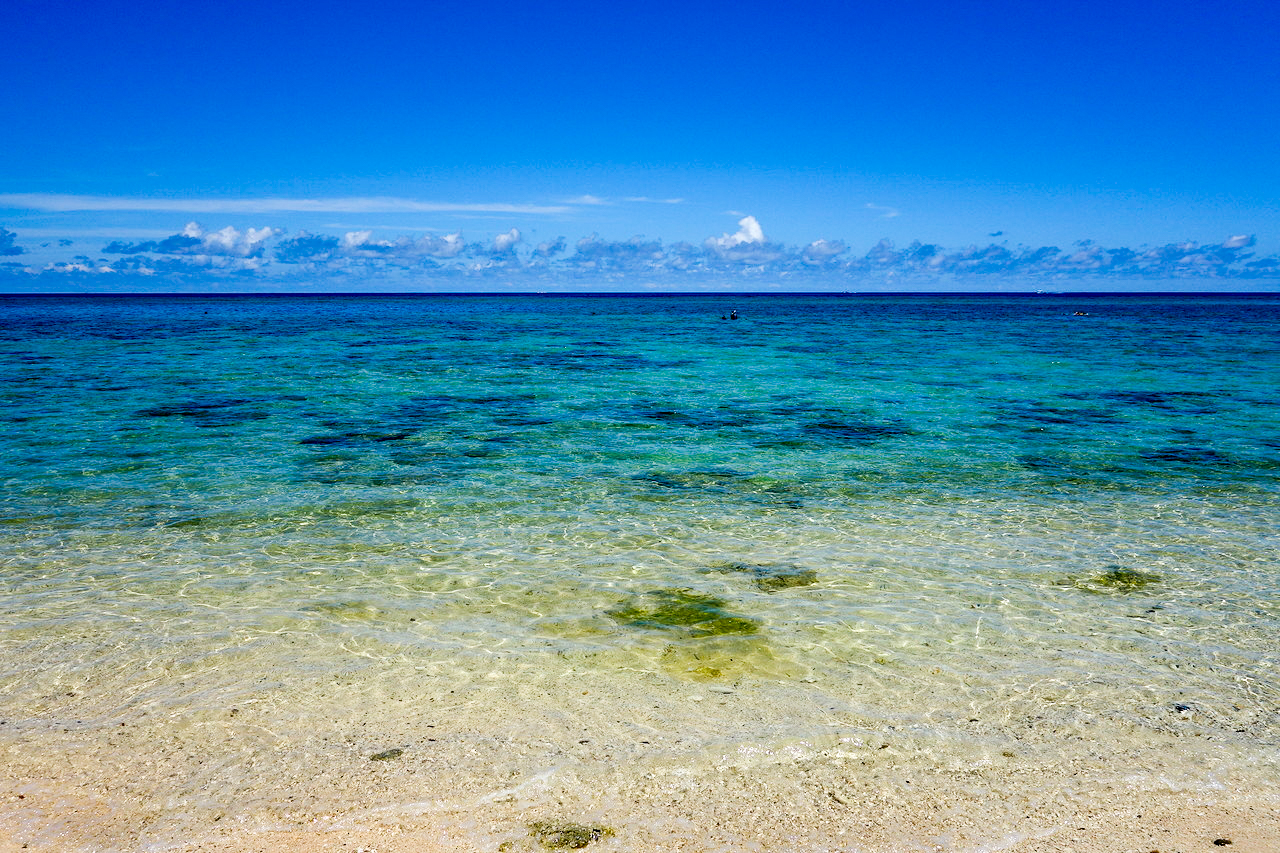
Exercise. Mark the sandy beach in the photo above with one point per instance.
(628, 762)
(734, 815)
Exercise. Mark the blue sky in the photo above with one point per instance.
(383, 130)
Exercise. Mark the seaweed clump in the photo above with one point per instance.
(1116, 579)
(567, 836)
(771, 577)
(387, 755)
(683, 610)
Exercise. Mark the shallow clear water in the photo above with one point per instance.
(983, 522)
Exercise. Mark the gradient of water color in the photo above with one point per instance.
(1020, 526)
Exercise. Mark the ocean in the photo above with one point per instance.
(962, 561)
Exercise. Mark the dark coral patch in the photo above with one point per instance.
(1187, 402)
(680, 480)
(1192, 456)
(209, 413)
(853, 430)
(724, 416)
(1041, 413)
(349, 438)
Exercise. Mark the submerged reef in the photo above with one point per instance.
(354, 437)
(855, 430)
(682, 610)
(1196, 457)
(1114, 579)
(770, 577)
(213, 412)
(709, 478)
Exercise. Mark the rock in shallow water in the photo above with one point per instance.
(1114, 579)
(567, 836)
(771, 577)
(682, 610)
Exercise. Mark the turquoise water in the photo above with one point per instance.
(987, 523)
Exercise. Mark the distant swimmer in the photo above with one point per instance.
(1080, 314)
(733, 315)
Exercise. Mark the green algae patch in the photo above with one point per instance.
(771, 577)
(682, 610)
(567, 836)
(387, 754)
(1115, 579)
(1125, 580)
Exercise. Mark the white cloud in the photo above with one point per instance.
(888, 212)
(588, 199)
(357, 239)
(643, 198)
(360, 244)
(448, 246)
(231, 240)
(504, 243)
(749, 232)
(1239, 241)
(822, 250)
(379, 204)
(65, 267)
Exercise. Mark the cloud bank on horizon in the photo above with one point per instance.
(268, 257)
